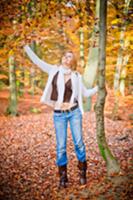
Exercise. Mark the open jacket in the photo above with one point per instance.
(79, 89)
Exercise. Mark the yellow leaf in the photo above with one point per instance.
(115, 21)
(11, 52)
(18, 73)
(23, 8)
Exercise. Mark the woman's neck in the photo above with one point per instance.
(66, 67)
(65, 70)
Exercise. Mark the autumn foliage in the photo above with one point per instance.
(27, 141)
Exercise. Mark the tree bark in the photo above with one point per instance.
(117, 72)
(120, 62)
(123, 75)
(111, 161)
(91, 67)
(12, 108)
(33, 73)
(82, 62)
(20, 81)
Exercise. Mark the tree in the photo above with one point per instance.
(12, 108)
(111, 162)
(90, 72)
(120, 70)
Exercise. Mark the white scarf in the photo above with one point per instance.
(61, 84)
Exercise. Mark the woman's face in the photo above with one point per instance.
(67, 59)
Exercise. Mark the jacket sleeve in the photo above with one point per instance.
(36, 60)
(89, 92)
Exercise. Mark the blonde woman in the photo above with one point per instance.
(64, 91)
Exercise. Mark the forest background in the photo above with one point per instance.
(50, 27)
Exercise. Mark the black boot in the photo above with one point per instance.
(63, 176)
(82, 172)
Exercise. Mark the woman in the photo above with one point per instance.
(63, 91)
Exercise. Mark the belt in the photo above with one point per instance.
(68, 110)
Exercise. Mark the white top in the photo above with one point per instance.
(78, 88)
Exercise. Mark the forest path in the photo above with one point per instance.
(28, 154)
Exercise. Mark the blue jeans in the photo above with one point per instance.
(61, 122)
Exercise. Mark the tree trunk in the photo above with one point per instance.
(82, 62)
(33, 73)
(90, 72)
(32, 10)
(32, 81)
(81, 33)
(111, 162)
(117, 73)
(26, 80)
(123, 75)
(12, 108)
(20, 81)
(120, 61)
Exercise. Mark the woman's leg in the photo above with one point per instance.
(76, 130)
(75, 120)
(60, 124)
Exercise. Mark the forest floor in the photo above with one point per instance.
(28, 154)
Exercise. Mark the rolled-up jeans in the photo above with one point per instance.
(61, 123)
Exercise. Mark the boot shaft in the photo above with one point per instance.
(62, 169)
(82, 172)
(63, 176)
(82, 165)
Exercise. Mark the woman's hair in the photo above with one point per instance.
(74, 61)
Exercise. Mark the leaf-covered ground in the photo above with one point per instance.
(28, 153)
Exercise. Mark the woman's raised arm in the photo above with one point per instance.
(36, 60)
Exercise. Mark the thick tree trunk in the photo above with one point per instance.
(90, 72)
(12, 108)
(111, 162)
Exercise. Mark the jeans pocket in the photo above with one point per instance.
(57, 114)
